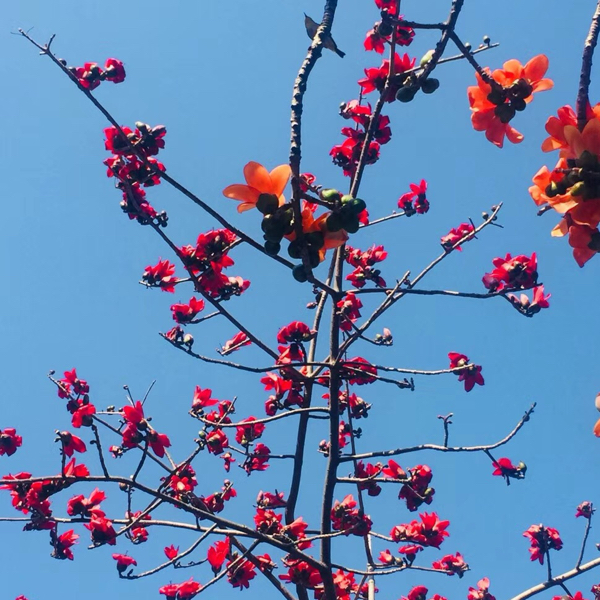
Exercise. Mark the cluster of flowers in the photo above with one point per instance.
(263, 190)
(518, 273)
(138, 432)
(415, 201)
(363, 263)
(306, 575)
(345, 517)
(542, 540)
(91, 75)
(205, 262)
(133, 165)
(347, 155)
(500, 94)
(571, 187)
(215, 439)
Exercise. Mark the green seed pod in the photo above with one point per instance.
(299, 273)
(357, 205)
(426, 58)
(430, 85)
(347, 198)
(577, 189)
(267, 203)
(330, 195)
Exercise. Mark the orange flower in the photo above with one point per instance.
(311, 225)
(555, 126)
(258, 181)
(493, 107)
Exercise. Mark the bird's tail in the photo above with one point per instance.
(340, 53)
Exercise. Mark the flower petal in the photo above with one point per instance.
(241, 192)
(258, 177)
(279, 177)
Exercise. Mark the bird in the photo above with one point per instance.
(328, 42)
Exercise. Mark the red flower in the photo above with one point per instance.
(296, 332)
(88, 76)
(70, 443)
(80, 506)
(258, 459)
(376, 77)
(430, 531)
(217, 554)
(358, 371)
(505, 468)
(181, 591)
(240, 574)
(102, 531)
(470, 375)
(519, 272)
(171, 551)
(62, 544)
(186, 313)
(202, 399)
(114, 70)
(71, 382)
(586, 510)
(527, 307)
(247, 433)
(73, 470)
(269, 500)
(124, 561)
(481, 592)
(301, 573)
(417, 491)
(455, 235)
(9, 441)
(419, 592)
(452, 563)
(239, 340)
(367, 473)
(347, 518)
(160, 275)
(82, 412)
(542, 539)
(216, 441)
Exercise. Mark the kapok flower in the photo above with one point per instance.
(63, 543)
(463, 232)
(470, 375)
(9, 441)
(518, 272)
(495, 100)
(542, 539)
(481, 592)
(239, 340)
(185, 313)
(124, 561)
(70, 443)
(529, 307)
(258, 182)
(586, 510)
(452, 564)
(505, 468)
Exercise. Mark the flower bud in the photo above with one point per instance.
(299, 273)
(430, 85)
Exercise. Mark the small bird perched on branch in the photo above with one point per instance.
(328, 42)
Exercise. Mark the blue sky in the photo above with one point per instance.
(220, 77)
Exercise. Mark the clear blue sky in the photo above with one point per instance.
(219, 76)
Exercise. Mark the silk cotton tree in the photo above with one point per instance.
(316, 370)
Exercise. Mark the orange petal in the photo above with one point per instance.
(542, 85)
(258, 177)
(536, 68)
(574, 139)
(514, 67)
(513, 135)
(279, 177)
(561, 229)
(597, 426)
(244, 206)
(591, 137)
(241, 192)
